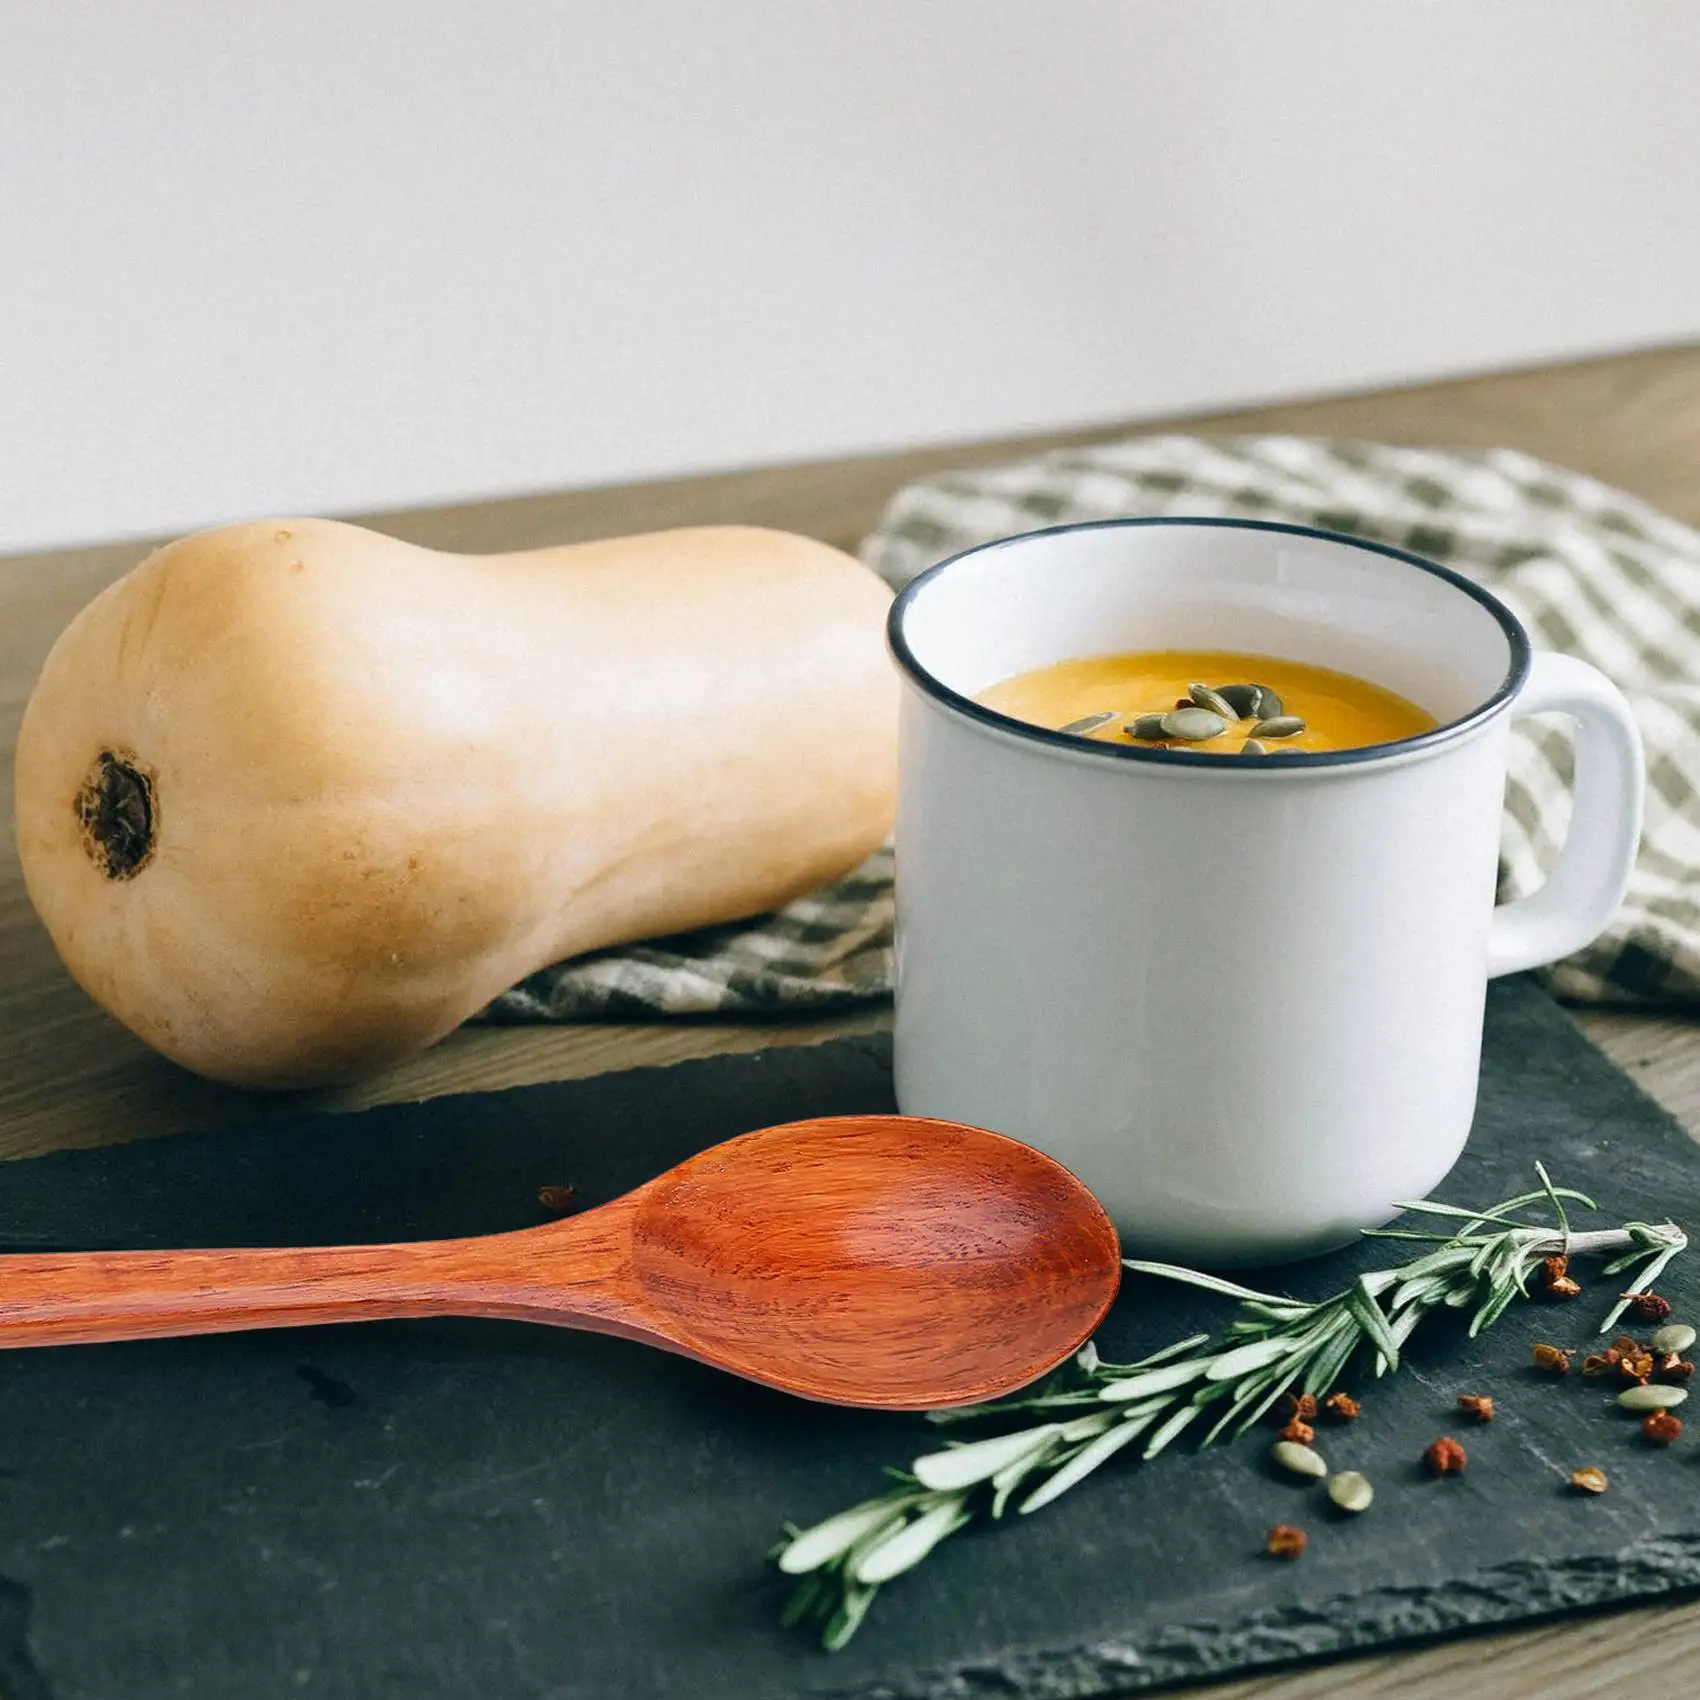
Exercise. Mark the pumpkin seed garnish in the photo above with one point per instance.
(1278, 726)
(1242, 699)
(1266, 705)
(1147, 726)
(1299, 1460)
(1251, 747)
(1089, 723)
(1655, 1397)
(1212, 700)
(1194, 724)
(1350, 1491)
(1673, 1337)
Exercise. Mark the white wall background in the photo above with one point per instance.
(322, 255)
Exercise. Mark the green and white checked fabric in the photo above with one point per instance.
(1589, 570)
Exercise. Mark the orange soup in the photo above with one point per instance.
(1213, 701)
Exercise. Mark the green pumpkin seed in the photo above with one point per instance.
(1653, 1398)
(1673, 1337)
(1090, 723)
(1242, 699)
(1212, 700)
(1251, 747)
(1193, 724)
(1266, 705)
(1278, 726)
(1147, 726)
(1350, 1491)
(1299, 1460)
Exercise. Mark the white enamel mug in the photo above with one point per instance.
(1241, 999)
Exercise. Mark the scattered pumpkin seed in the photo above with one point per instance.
(1655, 1397)
(1350, 1491)
(1194, 724)
(1673, 1337)
(1090, 723)
(1265, 705)
(1147, 726)
(1212, 700)
(1300, 1460)
(1278, 726)
(1241, 699)
(1251, 747)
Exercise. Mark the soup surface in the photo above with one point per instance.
(1217, 702)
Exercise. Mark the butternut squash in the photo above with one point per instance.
(295, 799)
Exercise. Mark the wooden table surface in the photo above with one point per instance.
(69, 1076)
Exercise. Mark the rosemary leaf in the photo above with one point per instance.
(1154, 1381)
(981, 1460)
(1369, 1318)
(1210, 1283)
(1085, 1461)
(910, 1544)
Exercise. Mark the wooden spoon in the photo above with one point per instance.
(862, 1260)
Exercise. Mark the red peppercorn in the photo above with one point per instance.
(1556, 1282)
(1293, 1407)
(1649, 1307)
(1635, 1366)
(1284, 1541)
(1445, 1457)
(1662, 1427)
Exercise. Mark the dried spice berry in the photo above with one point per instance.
(1589, 1480)
(1284, 1541)
(1556, 1282)
(1445, 1457)
(557, 1198)
(1674, 1367)
(1635, 1366)
(1555, 1360)
(1477, 1406)
(1298, 1431)
(1662, 1427)
(1342, 1407)
(1293, 1407)
(1649, 1307)
(1601, 1363)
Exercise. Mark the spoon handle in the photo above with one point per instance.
(565, 1273)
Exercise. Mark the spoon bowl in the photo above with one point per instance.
(883, 1261)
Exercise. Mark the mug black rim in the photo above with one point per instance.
(934, 687)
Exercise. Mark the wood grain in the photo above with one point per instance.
(69, 1076)
(884, 1261)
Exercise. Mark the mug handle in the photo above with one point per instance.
(1583, 891)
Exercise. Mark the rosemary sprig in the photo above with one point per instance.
(1091, 1410)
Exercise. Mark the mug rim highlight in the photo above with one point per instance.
(932, 686)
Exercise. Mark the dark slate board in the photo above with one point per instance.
(445, 1509)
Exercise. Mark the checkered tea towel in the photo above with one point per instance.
(1589, 570)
